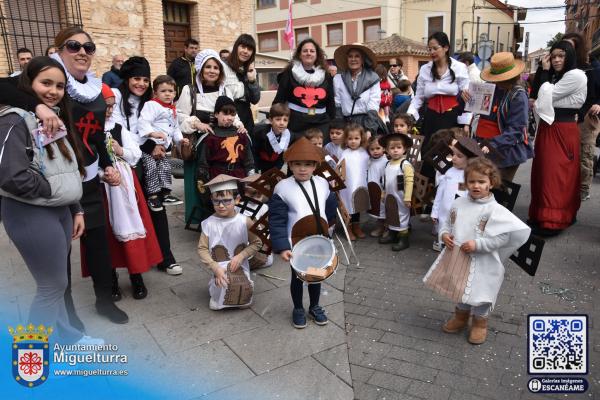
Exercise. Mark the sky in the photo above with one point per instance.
(539, 34)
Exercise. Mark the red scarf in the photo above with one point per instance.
(167, 105)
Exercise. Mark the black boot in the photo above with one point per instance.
(107, 308)
(402, 243)
(391, 238)
(116, 290)
(137, 286)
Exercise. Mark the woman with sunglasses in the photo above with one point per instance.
(440, 82)
(86, 108)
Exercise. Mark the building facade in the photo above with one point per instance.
(583, 16)
(336, 22)
(155, 29)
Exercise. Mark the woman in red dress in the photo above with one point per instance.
(555, 183)
(131, 236)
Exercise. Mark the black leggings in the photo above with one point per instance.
(296, 289)
(355, 218)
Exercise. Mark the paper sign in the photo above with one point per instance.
(482, 95)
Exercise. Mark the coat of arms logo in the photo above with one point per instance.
(30, 354)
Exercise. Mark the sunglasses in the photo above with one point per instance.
(393, 65)
(223, 202)
(73, 46)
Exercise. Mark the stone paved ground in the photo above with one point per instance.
(196, 352)
(384, 321)
(393, 323)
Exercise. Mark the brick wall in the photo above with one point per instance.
(131, 27)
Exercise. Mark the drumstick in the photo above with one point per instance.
(343, 249)
(270, 276)
(348, 237)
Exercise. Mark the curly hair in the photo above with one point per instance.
(355, 127)
(485, 167)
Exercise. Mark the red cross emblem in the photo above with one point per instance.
(30, 363)
(88, 125)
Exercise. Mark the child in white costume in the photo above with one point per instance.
(355, 163)
(375, 174)
(226, 245)
(479, 235)
(398, 187)
(452, 183)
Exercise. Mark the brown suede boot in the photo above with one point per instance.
(458, 322)
(350, 232)
(357, 231)
(478, 332)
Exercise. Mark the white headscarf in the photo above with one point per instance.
(199, 62)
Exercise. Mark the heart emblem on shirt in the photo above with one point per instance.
(309, 96)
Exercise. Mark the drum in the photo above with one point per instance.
(314, 259)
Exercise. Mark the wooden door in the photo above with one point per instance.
(176, 22)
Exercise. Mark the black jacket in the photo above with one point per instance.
(183, 71)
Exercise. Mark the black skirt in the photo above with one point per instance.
(91, 201)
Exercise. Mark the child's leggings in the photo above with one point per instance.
(479, 311)
(296, 289)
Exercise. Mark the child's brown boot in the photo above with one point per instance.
(357, 231)
(478, 330)
(458, 322)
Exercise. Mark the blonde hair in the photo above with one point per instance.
(485, 167)
(355, 127)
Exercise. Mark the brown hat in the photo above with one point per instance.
(341, 55)
(303, 150)
(503, 67)
(469, 147)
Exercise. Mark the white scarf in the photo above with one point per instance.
(305, 78)
(81, 92)
(283, 143)
(123, 211)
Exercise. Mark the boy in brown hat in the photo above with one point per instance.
(301, 206)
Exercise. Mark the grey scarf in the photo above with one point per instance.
(365, 80)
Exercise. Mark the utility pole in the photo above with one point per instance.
(452, 26)
(498, 39)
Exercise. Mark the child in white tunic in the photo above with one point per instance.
(375, 174)
(337, 137)
(398, 186)
(354, 163)
(226, 245)
(452, 183)
(479, 235)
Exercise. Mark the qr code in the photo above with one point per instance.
(557, 344)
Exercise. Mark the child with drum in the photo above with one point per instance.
(398, 186)
(225, 246)
(301, 206)
(479, 235)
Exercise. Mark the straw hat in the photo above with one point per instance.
(341, 55)
(503, 67)
(303, 150)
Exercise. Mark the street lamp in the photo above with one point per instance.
(381, 31)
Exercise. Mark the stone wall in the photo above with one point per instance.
(132, 27)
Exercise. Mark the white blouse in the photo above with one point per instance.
(368, 101)
(204, 102)
(427, 87)
(569, 92)
(119, 113)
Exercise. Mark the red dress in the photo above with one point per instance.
(138, 255)
(555, 182)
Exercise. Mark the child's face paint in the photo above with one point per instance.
(478, 185)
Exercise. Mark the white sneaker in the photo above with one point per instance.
(425, 218)
(88, 340)
(174, 269)
(213, 305)
(438, 246)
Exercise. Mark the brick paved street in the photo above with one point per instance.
(392, 339)
(397, 349)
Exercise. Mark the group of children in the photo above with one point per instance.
(378, 180)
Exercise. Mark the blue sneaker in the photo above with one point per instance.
(318, 315)
(299, 318)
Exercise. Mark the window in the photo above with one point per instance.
(435, 24)
(260, 4)
(335, 35)
(301, 34)
(371, 30)
(268, 41)
(268, 80)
